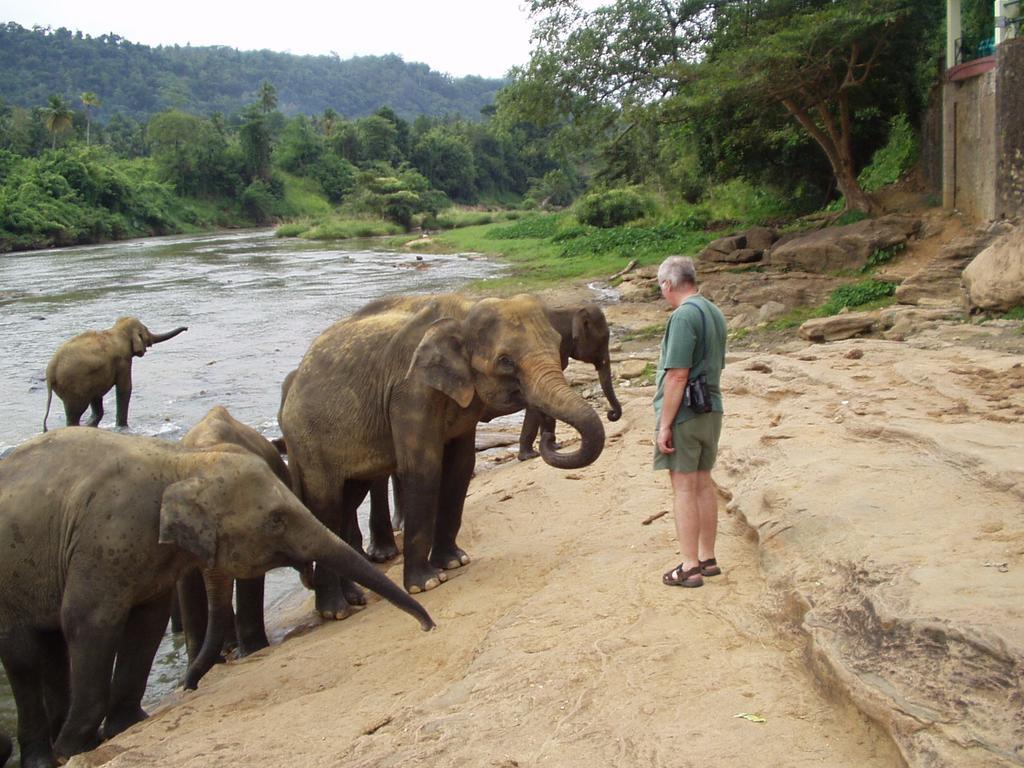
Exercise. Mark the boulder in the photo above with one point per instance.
(742, 248)
(845, 248)
(760, 238)
(938, 282)
(994, 279)
(631, 369)
(838, 327)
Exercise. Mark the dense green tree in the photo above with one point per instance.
(446, 159)
(190, 153)
(257, 146)
(300, 147)
(57, 116)
(267, 97)
(378, 139)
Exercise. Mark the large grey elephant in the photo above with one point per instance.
(584, 336)
(398, 389)
(219, 430)
(95, 528)
(86, 367)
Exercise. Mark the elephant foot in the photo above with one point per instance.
(449, 559)
(248, 645)
(423, 580)
(334, 610)
(382, 553)
(67, 746)
(354, 595)
(525, 454)
(117, 722)
(41, 759)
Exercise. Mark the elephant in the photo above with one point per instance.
(96, 527)
(5, 748)
(84, 368)
(379, 503)
(219, 430)
(397, 389)
(584, 336)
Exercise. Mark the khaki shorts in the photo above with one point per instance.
(696, 444)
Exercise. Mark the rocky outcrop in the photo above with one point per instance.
(846, 248)
(743, 248)
(994, 279)
(838, 327)
(939, 280)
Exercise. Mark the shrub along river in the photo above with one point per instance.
(252, 303)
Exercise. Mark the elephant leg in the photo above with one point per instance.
(457, 471)
(139, 643)
(73, 412)
(397, 518)
(124, 395)
(176, 625)
(96, 405)
(56, 681)
(23, 664)
(382, 537)
(249, 626)
(528, 434)
(330, 599)
(417, 496)
(192, 604)
(352, 496)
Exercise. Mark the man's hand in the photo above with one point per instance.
(665, 440)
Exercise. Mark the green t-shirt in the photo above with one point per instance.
(683, 343)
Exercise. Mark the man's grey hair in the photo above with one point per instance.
(677, 270)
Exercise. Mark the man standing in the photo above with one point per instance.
(687, 441)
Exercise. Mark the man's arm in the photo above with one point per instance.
(674, 385)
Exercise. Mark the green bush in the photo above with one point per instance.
(258, 201)
(613, 208)
(744, 203)
(890, 163)
(538, 226)
(857, 295)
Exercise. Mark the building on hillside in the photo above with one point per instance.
(983, 116)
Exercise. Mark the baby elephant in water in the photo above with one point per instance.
(95, 528)
(86, 367)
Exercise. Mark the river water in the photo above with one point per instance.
(252, 303)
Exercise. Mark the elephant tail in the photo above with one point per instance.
(49, 398)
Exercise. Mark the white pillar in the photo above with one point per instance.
(952, 30)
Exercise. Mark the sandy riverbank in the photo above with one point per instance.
(872, 539)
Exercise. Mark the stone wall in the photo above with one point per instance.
(969, 147)
(1010, 128)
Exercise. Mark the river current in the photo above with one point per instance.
(252, 303)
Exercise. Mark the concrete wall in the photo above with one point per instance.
(1010, 128)
(969, 146)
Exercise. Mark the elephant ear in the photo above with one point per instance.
(138, 343)
(185, 523)
(581, 323)
(440, 361)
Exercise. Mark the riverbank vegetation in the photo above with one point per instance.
(645, 127)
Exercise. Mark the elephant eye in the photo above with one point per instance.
(505, 364)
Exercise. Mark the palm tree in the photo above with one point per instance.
(57, 116)
(267, 97)
(89, 99)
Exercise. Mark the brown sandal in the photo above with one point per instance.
(710, 567)
(678, 577)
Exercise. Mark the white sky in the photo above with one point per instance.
(459, 37)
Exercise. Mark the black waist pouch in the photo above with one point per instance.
(696, 396)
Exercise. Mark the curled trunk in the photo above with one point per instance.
(219, 617)
(547, 389)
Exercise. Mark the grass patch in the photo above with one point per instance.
(863, 296)
(543, 249)
(302, 197)
(882, 256)
(642, 334)
(1016, 313)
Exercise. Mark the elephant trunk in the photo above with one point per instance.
(156, 338)
(546, 389)
(604, 373)
(345, 561)
(219, 616)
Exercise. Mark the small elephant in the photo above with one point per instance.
(219, 430)
(585, 337)
(95, 529)
(84, 368)
(398, 389)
